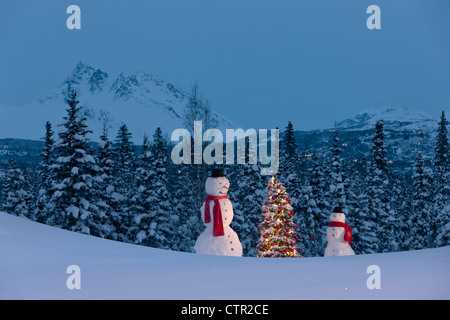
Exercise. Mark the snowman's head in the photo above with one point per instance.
(337, 215)
(217, 186)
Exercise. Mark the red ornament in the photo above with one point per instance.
(268, 187)
(288, 230)
(268, 219)
(273, 197)
(285, 233)
(280, 208)
(271, 244)
(295, 227)
(267, 202)
(265, 246)
(312, 238)
(264, 236)
(292, 244)
(292, 212)
(278, 187)
(300, 250)
(297, 239)
(259, 228)
(288, 199)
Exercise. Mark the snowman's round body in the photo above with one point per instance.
(207, 243)
(337, 246)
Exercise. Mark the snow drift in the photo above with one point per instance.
(34, 259)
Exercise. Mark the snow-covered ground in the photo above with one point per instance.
(34, 259)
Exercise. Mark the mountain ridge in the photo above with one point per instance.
(393, 117)
(144, 102)
(140, 100)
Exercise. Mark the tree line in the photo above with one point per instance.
(385, 210)
(115, 192)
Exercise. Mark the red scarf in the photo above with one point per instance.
(348, 231)
(217, 212)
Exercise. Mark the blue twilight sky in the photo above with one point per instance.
(261, 63)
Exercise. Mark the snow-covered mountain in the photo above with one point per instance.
(140, 100)
(394, 118)
(407, 131)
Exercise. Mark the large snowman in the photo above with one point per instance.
(217, 213)
(339, 235)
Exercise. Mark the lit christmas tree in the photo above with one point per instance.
(277, 228)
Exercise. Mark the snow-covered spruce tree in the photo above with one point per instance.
(289, 156)
(182, 194)
(154, 219)
(337, 191)
(166, 219)
(325, 182)
(312, 243)
(356, 168)
(405, 236)
(73, 202)
(443, 230)
(378, 154)
(379, 185)
(124, 162)
(44, 175)
(366, 221)
(142, 215)
(400, 206)
(278, 236)
(441, 184)
(317, 212)
(442, 155)
(355, 183)
(247, 197)
(421, 216)
(17, 197)
(106, 186)
(290, 169)
(5, 187)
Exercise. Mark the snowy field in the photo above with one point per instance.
(34, 260)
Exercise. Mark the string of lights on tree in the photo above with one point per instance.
(278, 234)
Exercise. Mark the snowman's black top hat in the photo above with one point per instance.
(337, 210)
(216, 173)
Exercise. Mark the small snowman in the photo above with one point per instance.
(217, 214)
(339, 235)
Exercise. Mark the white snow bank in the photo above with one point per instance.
(34, 260)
